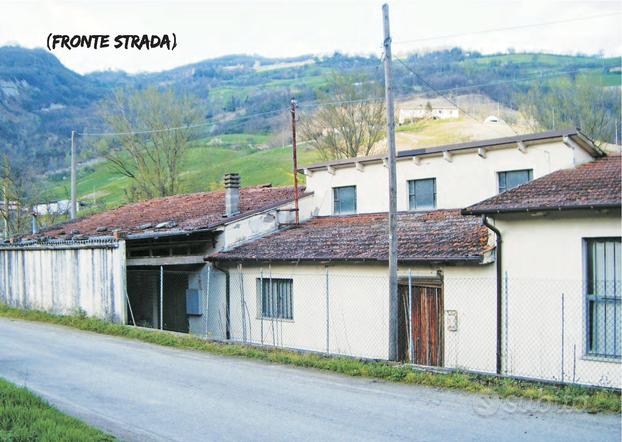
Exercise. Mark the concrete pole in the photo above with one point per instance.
(388, 87)
(73, 205)
(5, 201)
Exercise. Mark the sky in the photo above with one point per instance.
(207, 29)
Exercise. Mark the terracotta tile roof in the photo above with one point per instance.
(437, 236)
(181, 212)
(591, 185)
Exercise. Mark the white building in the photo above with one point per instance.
(323, 286)
(232, 265)
(411, 114)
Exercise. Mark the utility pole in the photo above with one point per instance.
(293, 111)
(73, 204)
(5, 198)
(388, 87)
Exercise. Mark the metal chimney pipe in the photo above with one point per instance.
(232, 194)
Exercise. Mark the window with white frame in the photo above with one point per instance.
(422, 194)
(512, 178)
(344, 200)
(603, 297)
(274, 298)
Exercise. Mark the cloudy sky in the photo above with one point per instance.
(209, 28)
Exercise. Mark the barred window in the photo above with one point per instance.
(344, 200)
(422, 194)
(604, 288)
(274, 298)
(510, 179)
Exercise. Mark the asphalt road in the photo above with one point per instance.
(139, 391)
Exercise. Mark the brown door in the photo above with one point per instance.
(427, 325)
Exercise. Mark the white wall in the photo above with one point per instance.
(543, 258)
(263, 223)
(358, 310)
(465, 180)
(66, 281)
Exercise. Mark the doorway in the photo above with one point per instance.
(421, 328)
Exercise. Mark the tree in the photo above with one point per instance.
(148, 150)
(350, 120)
(581, 102)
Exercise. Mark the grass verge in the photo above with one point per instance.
(592, 400)
(26, 417)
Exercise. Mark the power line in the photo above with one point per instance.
(508, 28)
(426, 83)
(209, 122)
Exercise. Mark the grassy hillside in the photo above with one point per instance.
(203, 167)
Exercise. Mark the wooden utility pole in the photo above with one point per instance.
(388, 87)
(293, 111)
(73, 204)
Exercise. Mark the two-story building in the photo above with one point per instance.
(323, 285)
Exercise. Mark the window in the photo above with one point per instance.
(510, 179)
(422, 194)
(274, 298)
(603, 289)
(344, 200)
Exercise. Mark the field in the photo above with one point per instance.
(205, 163)
(25, 417)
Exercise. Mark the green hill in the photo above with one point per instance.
(203, 168)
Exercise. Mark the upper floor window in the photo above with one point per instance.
(344, 200)
(422, 194)
(512, 178)
(603, 293)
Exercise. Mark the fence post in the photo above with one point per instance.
(261, 302)
(563, 333)
(206, 310)
(506, 352)
(161, 297)
(327, 315)
(411, 342)
(242, 302)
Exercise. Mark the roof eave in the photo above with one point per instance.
(498, 210)
(423, 260)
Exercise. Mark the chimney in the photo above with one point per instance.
(232, 194)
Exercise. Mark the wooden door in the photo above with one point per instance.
(425, 333)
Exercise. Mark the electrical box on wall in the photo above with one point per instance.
(452, 320)
(193, 307)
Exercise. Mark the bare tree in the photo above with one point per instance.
(349, 121)
(148, 151)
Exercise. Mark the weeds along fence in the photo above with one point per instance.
(565, 331)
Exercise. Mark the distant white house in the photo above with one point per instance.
(419, 112)
(60, 207)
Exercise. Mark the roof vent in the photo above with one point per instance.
(232, 194)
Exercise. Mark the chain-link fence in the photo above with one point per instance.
(556, 330)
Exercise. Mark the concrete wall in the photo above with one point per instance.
(356, 310)
(467, 179)
(66, 281)
(543, 258)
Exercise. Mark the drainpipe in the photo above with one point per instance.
(227, 309)
(499, 269)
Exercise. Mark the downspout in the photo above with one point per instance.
(227, 309)
(499, 269)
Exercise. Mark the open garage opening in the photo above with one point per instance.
(164, 297)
